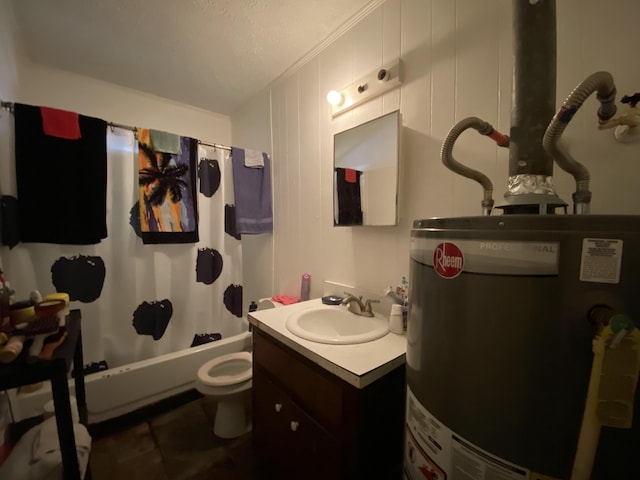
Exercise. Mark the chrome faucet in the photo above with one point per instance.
(356, 306)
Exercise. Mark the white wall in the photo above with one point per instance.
(42, 85)
(457, 59)
(25, 82)
(9, 79)
(8, 52)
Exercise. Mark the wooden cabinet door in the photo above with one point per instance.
(318, 392)
(288, 442)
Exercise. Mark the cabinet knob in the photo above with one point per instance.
(294, 426)
(278, 407)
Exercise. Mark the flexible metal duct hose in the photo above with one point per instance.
(602, 82)
(447, 156)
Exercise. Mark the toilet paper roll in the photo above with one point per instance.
(267, 303)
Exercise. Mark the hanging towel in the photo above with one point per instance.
(349, 202)
(60, 123)
(253, 159)
(9, 230)
(165, 142)
(252, 190)
(62, 184)
(350, 175)
(167, 192)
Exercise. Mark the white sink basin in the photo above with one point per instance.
(336, 325)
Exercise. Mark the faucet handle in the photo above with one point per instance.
(350, 297)
(367, 304)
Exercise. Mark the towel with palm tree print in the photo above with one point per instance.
(167, 192)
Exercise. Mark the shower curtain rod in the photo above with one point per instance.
(8, 106)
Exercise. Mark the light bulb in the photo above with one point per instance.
(335, 98)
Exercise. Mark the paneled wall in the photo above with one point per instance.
(457, 60)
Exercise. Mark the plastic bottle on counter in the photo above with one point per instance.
(305, 287)
(395, 319)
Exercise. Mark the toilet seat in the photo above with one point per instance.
(205, 376)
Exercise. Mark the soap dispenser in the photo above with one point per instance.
(395, 319)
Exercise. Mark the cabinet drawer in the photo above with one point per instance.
(288, 441)
(318, 392)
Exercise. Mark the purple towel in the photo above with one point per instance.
(252, 191)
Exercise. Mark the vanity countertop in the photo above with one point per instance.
(359, 364)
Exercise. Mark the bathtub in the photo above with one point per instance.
(120, 390)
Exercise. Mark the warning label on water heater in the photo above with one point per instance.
(434, 452)
(601, 260)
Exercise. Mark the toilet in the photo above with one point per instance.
(227, 379)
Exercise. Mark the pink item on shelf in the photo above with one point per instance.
(284, 299)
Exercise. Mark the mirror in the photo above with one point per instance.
(365, 176)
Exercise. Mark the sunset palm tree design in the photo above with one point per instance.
(161, 179)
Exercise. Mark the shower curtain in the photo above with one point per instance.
(139, 301)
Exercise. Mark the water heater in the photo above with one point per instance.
(500, 346)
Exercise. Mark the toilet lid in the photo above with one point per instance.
(208, 376)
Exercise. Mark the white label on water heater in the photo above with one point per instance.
(493, 257)
(434, 452)
(601, 260)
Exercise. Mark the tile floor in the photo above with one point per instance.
(169, 441)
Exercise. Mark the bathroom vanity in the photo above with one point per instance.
(324, 411)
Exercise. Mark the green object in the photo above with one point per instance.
(165, 142)
(621, 321)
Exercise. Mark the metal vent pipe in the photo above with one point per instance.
(534, 85)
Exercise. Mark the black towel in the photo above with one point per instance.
(62, 184)
(9, 230)
(349, 203)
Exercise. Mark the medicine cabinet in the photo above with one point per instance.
(366, 165)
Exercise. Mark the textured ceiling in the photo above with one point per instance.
(213, 54)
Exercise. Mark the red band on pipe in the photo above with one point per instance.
(499, 138)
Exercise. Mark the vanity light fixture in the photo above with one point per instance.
(370, 86)
(334, 97)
